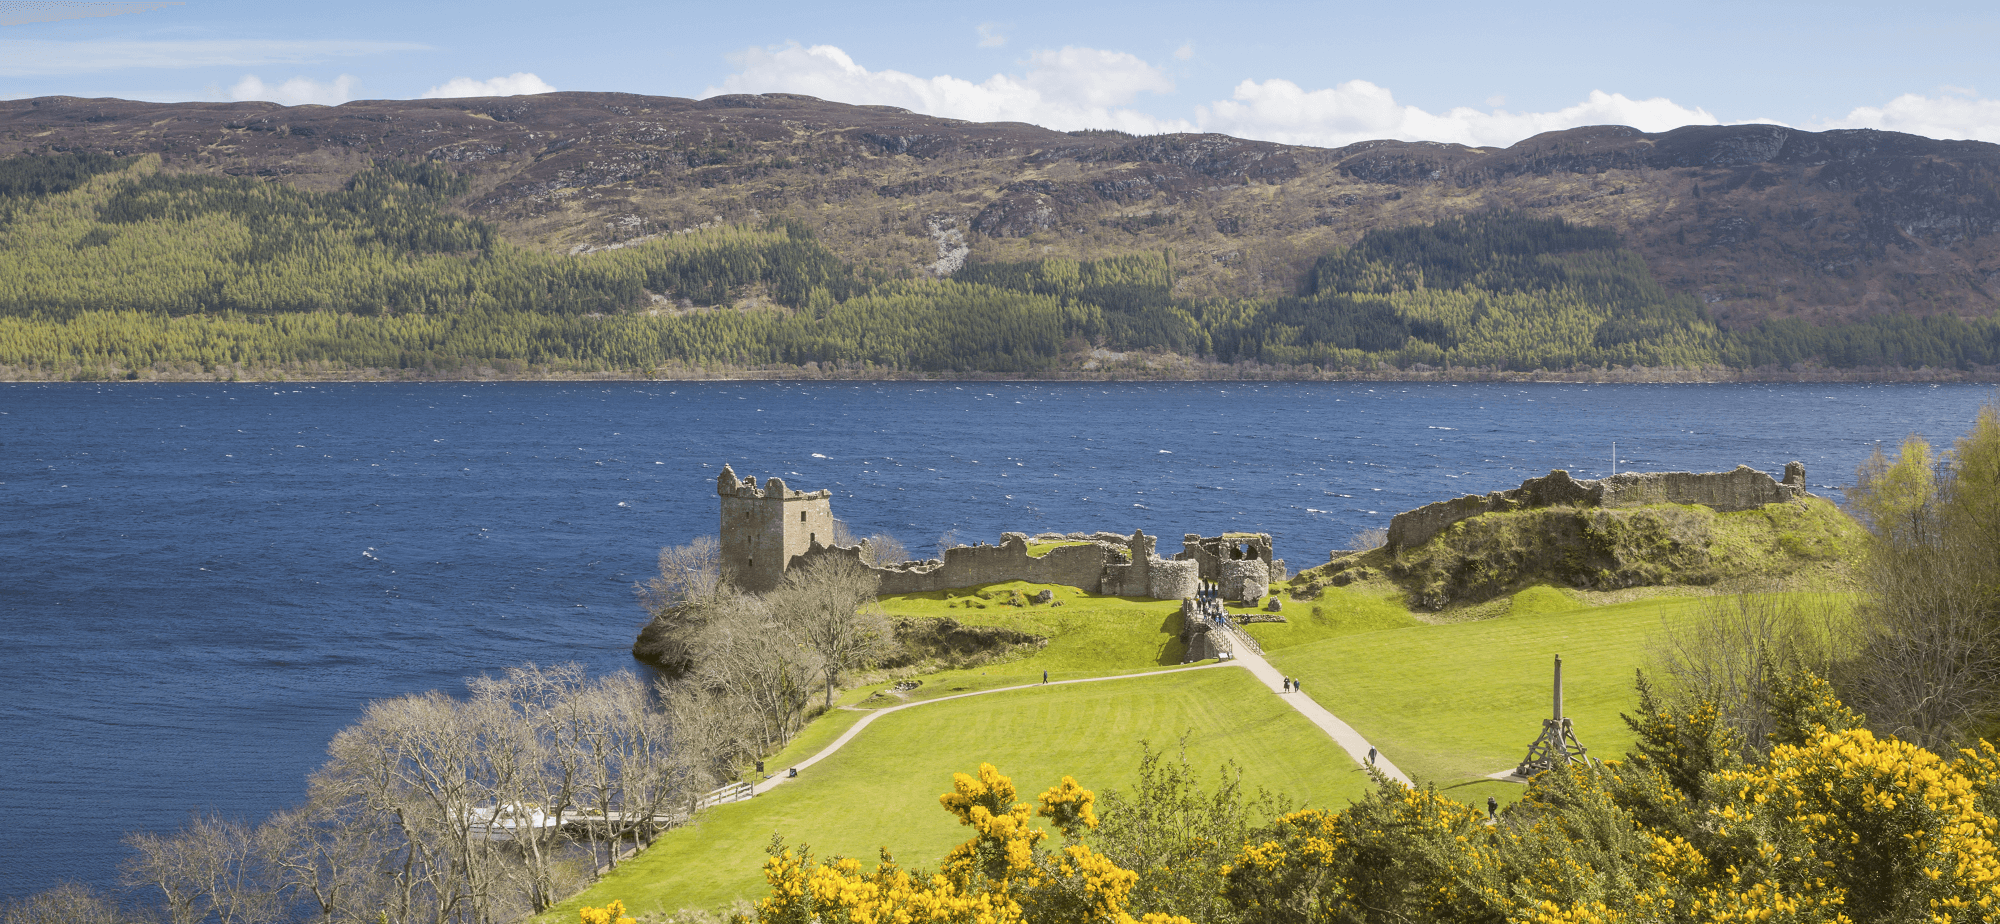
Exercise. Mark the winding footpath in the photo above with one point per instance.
(1342, 734)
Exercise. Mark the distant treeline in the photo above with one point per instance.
(116, 267)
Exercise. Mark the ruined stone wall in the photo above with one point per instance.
(1744, 488)
(1245, 580)
(1211, 553)
(1726, 492)
(1080, 566)
(1108, 564)
(1173, 580)
(1132, 577)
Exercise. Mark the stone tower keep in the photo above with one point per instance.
(763, 529)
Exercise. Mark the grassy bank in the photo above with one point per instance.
(882, 788)
(1089, 635)
(1454, 703)
(1808, 544)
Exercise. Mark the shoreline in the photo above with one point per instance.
(1180, 374)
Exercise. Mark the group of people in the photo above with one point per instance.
(1209, 600)
(1291, 685)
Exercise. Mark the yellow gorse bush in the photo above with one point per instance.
(999, 876)
(1872, 826)
(1847, 827)
(613, 913)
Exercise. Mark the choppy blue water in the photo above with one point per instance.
(202, 583)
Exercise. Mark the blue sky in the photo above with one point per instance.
(1317, 73)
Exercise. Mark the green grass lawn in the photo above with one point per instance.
(882, 789)
(1337, 612)
(1089, 635)
(1453, 703)
(1448, 703)
(1039, 549)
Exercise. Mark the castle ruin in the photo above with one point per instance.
(1744, 488)
(768, 531)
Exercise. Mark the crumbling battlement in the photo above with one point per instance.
(763, 529)
(1213, 554)
(1744, 488)
(1107, 563)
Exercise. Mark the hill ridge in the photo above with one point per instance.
(1760, 222)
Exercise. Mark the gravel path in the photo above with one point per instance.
(1349, 740)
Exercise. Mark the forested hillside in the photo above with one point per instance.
(1757, 222)
(119, 268)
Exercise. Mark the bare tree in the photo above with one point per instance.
(680, 600)
(1931, 661)
(323, 858)
(209, 869)
(878, 549)
(408, 767)
(746, 653)
(436, 810)
(533, 726)
(632, 778)
(689, 575)
(1366, 539)
(69, 903)
(1929, 670)
(713, 729)
(884, 549)
(595, 745)
(1724, 651)
(829, 607)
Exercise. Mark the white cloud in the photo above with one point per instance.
(1958, 114)
(990, 36)
(1073, 88)
(19, 14)
(1184, 52)
(517, 84)
(1279, 110)
(1065, 89)
(35, 58)
(1092, 78)
(296, 91)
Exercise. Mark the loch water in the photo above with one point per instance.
(202, 583)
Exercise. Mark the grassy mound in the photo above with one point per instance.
(1088, 635)
(1805, 544)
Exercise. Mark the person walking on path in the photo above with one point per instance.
(1045, 676)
